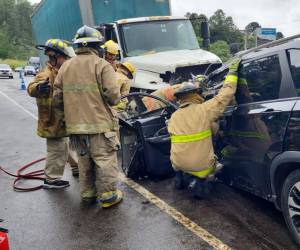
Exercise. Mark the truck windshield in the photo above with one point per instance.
(156, 36)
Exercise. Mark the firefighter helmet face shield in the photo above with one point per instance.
(52, 55)
(86, 35)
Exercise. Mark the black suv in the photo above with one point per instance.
(259, 138)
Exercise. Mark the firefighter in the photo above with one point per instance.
(84, 90)
(165, 93)
(111, 51)
(125, 74)
(58, 51)
(190, 128)
(248, 138)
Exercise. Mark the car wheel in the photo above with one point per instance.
(290, 203)
(11, 77)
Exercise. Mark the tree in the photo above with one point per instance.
(223, 28)
(16, 39)
(196, 20)
(251, 27)
(279, 35)
(221, 49)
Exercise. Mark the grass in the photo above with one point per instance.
(13, 63)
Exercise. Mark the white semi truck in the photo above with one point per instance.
(164, 49)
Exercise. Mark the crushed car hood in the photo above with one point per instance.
(170, 60)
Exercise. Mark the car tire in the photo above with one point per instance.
(11, 77)
(290, 203)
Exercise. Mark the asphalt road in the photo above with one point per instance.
(57, 220)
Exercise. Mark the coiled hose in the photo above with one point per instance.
(34, 175)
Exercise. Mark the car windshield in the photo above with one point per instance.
(156, 36)
(4, 66)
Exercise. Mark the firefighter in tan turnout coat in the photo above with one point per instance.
(125, 73)
(84, 90)
(190, 128)
(58, 51)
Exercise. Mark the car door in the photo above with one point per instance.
(254, 128)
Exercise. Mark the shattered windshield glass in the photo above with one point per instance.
(156, 36)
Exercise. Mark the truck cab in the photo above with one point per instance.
(164, 50)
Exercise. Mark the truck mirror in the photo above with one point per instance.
(205, 33)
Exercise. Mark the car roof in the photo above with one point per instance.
(273, 49)
(4, 66)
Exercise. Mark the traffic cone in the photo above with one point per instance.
(23, 86)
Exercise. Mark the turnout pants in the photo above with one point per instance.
(57, 156)
(98, 169)
(73, 160)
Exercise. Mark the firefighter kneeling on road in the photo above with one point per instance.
(190, 127)
(84, 90)
(58, 51)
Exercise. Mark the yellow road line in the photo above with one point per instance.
(176, 215)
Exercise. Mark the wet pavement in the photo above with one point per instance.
(47, 219)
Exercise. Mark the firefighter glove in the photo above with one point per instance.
(234, 66)
(44, 87)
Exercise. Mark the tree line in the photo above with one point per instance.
(226, 38)
(16, 38)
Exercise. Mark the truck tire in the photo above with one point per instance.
(290, 203)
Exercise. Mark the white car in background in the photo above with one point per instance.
(6, 71)
(18, 69)
(29, 70)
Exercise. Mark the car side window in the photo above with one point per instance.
(260, 80)
(294, 61)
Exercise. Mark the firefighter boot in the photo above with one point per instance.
(111, 198)
(201, 188)
(181, 180)
(178, 180)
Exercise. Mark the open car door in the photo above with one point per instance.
(145, 142)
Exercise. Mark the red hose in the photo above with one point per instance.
(34, 175)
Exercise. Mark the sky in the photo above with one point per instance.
(281, 14)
